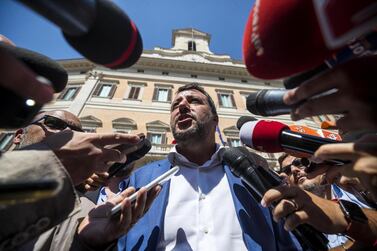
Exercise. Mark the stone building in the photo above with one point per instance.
(137, 99)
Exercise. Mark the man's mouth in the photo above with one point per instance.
(301, 179)
(184, 121)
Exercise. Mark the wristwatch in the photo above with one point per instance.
(352, 212)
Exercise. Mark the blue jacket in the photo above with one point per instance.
(260, 232)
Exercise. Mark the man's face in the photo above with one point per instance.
(38, 131)
(308, 181)
(191, 116)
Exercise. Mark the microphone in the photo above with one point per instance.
(260, 180)
(243, 119)
(132, 157)
(19, 112)
(98, 29)
(273, 137)
(267, 103)
(301, 46)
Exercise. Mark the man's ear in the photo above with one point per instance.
(216, 118)
(18, 135)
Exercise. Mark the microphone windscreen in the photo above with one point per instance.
(254, 158)
(40, 65)
(243, 119)
(263, 135)
(251, 103)
(112, 41)
(282, 38)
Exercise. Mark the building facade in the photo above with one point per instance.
(137, 99)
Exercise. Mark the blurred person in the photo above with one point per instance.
(298, 206)
(67, 157)
(362, 155)
(204, 206)
(70, 233)
(353, 95)
(319, 182)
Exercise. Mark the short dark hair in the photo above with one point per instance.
(196, 86)
(282, 158)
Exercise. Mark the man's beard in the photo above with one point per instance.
(197, 132)
(317, 189)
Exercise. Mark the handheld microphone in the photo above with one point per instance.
(132, 157)
(19, 112)
(301, 46)
(267, 103)
(273, 137)
(260, 180)
(90, 26)
(243, 119)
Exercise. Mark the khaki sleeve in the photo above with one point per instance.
(25, 215)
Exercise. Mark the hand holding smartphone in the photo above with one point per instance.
(158, 181)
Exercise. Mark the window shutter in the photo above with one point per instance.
(163, 138)
(97, 89)
(229, 142)
(61, 95)
(219, 97)
(131, 94)
(169, 95)
(233, 102)
(76, 92)
(149, 135)
(112, 91)
(155, 94)
(137, 91)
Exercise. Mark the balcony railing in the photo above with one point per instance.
(161, 148)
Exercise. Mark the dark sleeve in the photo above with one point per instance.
(23, 220)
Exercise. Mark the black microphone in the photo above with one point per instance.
(260, 180)
(267, 103)
(19, 112)
(98, 29)
(243, 119)
(138, 154)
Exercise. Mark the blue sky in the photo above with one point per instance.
(223, 19)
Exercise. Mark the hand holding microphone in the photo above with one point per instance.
(260, 180)
(354, 94)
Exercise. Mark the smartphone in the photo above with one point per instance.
(160, 180)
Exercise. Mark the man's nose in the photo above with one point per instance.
(184, 106)
(295, 170)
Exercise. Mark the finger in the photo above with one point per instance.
(358, 117)
(342, 151)
(100, 179)
(114, 138)
(141, 199)
(21, 80)
(126, 217)
(109, 156)
(335, 103)
(314, 86)
(295, 219)
(152, 194)
(122, 196)
(284, 208)
(278, 193)
(103, 175)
